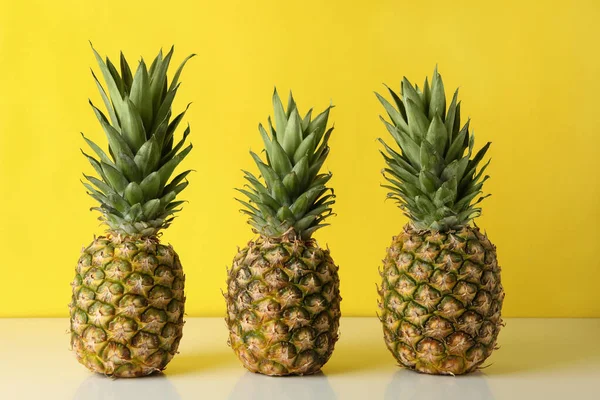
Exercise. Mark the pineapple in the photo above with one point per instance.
(128, 301)
(441, 295)
(283, 299)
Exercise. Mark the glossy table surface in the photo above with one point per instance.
(538, 359)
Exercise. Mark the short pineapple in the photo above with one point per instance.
(441, 295)
(127, 305)
(283, 299)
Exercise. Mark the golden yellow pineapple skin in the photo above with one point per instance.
(127, 306)
(441, 300)
(283, 306)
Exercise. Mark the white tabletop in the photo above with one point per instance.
(538, 359)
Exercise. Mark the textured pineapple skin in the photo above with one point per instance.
(441, 300)
(283, 306)
(127, 306)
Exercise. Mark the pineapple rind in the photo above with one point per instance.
(127, 306)
(283, 306)
(441, 299)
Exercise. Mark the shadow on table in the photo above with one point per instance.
(261, 387)
(186, 363)
(358, 356)
(410, 385)
(537, 350)
(154, 387)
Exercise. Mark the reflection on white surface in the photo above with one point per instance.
(410, 385)
(261, 387)
(99, 387)
(553, 359)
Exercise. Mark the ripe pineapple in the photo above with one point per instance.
(127, 304)
(283, 299)
(441, 294)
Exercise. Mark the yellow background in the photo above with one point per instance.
(528, 76)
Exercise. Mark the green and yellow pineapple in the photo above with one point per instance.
(441, 295)
(283, 299)
(128, 301)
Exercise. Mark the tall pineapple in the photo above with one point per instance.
(283, 299)
(441, 294)
(127, 304)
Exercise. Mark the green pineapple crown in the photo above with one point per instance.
(431, 178)
(135, 195)
(294, 199)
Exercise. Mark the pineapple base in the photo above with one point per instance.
(127, 306)
(441, 300)
(283, 306)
